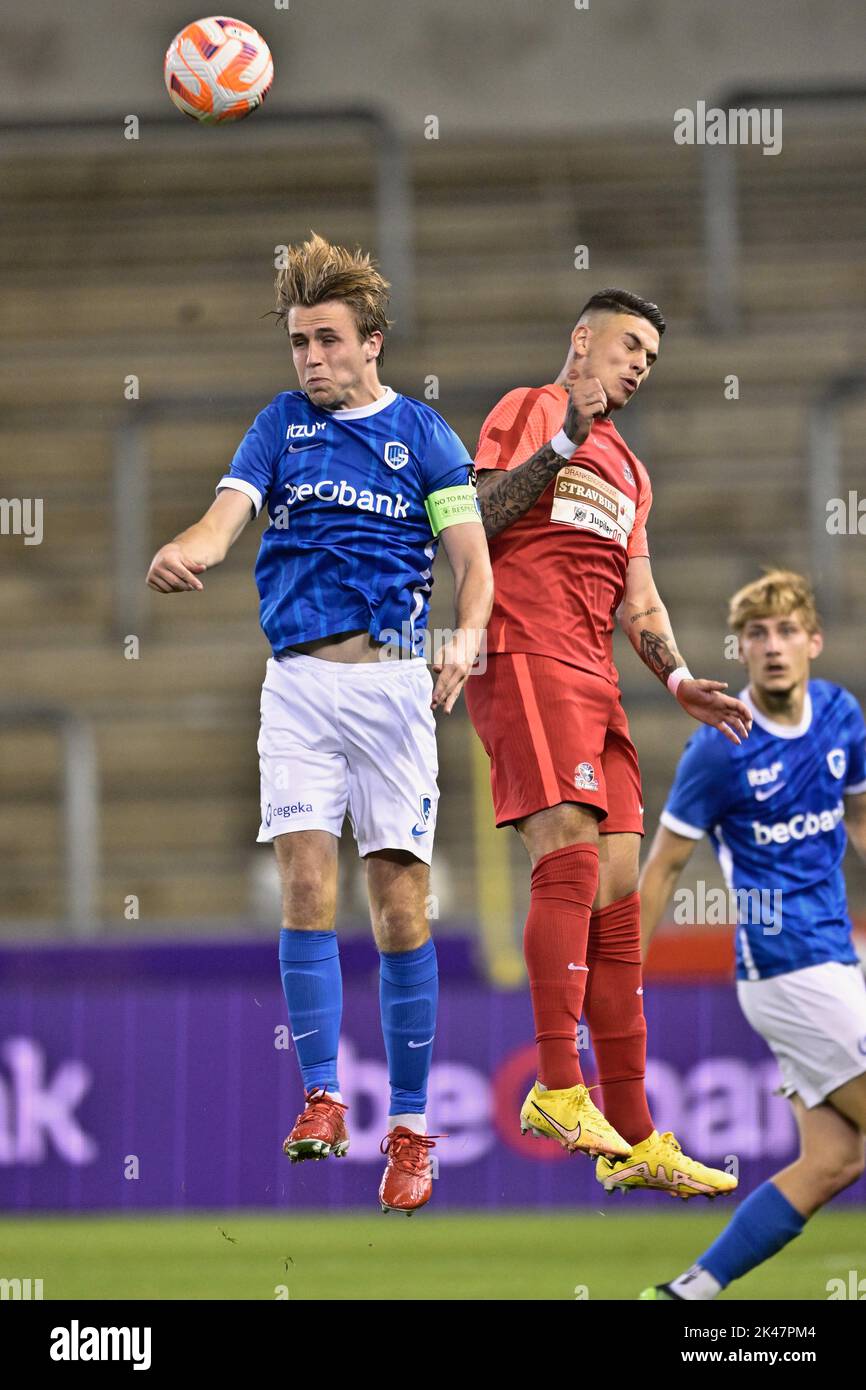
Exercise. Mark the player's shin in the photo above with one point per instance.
(408, 998)
(313, 986)
(764, 1224)
(613, 1008)
(564, 884)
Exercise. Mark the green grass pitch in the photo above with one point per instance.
(509, 1255)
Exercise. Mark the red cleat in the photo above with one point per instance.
(320, 1130)
(407, 1182)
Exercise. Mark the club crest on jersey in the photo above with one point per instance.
(584, 778)
(837, 762)
(423, 825)
(396, 454)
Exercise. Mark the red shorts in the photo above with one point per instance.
(554, 733)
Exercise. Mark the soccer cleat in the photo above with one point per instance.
(661, 1294)
(320, 1131)
(407, 1182)
(659, 1162)
(573, 1121)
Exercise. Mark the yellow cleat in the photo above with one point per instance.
(659, 1162)
(572, 1120)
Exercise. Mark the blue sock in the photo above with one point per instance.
(764, 1223)
(408, 995)
(313, 986)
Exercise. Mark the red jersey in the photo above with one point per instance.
(559, 571)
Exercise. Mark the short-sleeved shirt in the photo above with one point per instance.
(560, 570)
(773, 809)
(356, 499)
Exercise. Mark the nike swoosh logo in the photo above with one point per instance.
(771, 791)
(296, 1037)
(572, 1135)
(302, 449)
(416, 832)
(639, 989)
(423, 1044)
(577, 967)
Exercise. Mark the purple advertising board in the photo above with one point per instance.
(164, 1078)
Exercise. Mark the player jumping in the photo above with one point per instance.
(565, 504)
(359, 483)
(776, 818)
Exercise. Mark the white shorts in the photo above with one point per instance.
(815, 1022)
(359, 737)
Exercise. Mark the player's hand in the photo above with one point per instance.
(171, 572)
(587, 401)
(452, 664)
(703, 700)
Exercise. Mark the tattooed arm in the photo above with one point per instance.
(644, 619)
(504, 495)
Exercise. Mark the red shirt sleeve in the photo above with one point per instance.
(637, 541)
(517, 427)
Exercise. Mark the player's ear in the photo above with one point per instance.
(373, 346)
(816, 645)
(580, 336)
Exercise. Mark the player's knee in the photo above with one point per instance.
(400, 928)
(308, 903)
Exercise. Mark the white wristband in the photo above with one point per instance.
(676, 678)
(562, 445)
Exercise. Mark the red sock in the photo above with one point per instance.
(564, 884)
(614, 1012)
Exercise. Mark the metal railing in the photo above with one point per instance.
(720, 195)
(81, 820)
(825, 481)
(392, 193)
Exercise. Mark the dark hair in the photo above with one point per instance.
(624, 302)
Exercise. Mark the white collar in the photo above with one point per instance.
(360, 412)
(771, 725)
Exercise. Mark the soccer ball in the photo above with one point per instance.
(218, 69)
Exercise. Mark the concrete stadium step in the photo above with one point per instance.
(478, 288)
(144, 755)
(149, 826)
(90, 676)
(168, 891)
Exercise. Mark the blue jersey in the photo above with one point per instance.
(350, 545)
(773, 809)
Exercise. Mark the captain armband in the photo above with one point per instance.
(450, 505)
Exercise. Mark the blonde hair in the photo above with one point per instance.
(778, 594)
(317, 271)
